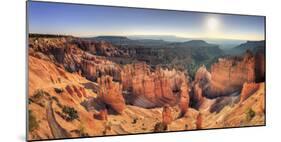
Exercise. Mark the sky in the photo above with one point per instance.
(90, 20)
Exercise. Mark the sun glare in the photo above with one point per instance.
(212, 24)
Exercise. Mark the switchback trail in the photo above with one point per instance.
(56, 129)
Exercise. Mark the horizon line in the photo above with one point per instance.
(130, 35)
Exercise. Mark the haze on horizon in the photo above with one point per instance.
(90, 20)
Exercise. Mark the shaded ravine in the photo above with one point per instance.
(56, 129)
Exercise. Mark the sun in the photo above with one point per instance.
(212, 24)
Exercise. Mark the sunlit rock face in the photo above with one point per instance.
(248, 89)
(94, 67)
(167, 115)
(227, 76)
(184, 101)
(110, 93)
(155, 88)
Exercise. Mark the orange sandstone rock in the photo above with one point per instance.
(69, 90)
(110, 93)
(199, 121)
(77, 91)
(102, 115)
(184, 100)
(155, 88)
(167, 115)
(248, 90)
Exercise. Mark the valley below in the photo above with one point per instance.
(109, 85)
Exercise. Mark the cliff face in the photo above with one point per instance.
(94, 67)
(228, 75)
(110, 93)
(155, 88)
(57, 50)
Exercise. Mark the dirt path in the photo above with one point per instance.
(56, 129)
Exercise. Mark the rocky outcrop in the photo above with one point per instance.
(74, 55)
(69, 89)
(58, 46)
(82, 90)
(226, 76)
(229, 74)
(59, 50)
(54, 48)
(184, 99)
(102, 115)
(155, 88)
(202, 76)
(76, 91)
(248, 90)
(201, 82)
(167, 115)
(94, 67)
(199, 121)
(102, 48)
(110, 93)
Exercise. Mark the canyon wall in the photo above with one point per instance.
(155, 88)
(228, 75)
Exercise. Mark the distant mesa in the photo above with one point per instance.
(197, 43)
(111, 38)
(253, 46)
